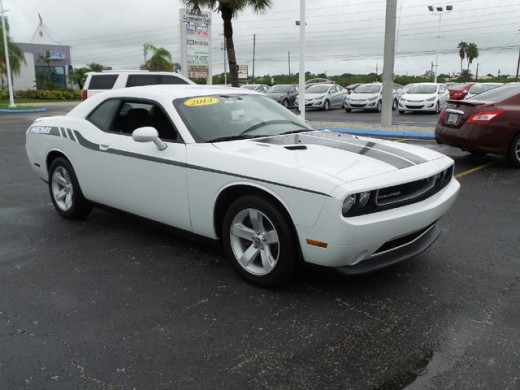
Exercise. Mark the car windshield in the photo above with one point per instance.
(279, 89)
(317, 88)
(479, 88)
(368, 88)
(422, 89)
(212, 118)
(499, 94)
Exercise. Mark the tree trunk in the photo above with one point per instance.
(227, 15)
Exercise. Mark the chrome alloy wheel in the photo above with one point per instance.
(254, 241)
(62, 188)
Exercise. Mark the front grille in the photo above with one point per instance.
(403, 194)
(413, 191)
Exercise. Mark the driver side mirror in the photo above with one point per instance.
(148, 134)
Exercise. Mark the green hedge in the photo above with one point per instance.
(65, 94)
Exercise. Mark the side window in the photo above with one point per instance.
(164, 79)
(102, 81)
(102, 115)
(137, 80)
(132, 114)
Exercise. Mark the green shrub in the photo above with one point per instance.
(64, 94)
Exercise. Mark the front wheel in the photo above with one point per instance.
(401, 112)
(65, 192)
(437, 108)
(379, 106)
(514, 152)
(326, 105)
(394, 105)
(259, 241)
(285, 103)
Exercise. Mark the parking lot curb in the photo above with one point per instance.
(7, 111)
(382, 133)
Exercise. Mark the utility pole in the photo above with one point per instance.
(254, 49)
(388, 64)
(225, 66)
(517, 66)
(289, 60)
(476, 75)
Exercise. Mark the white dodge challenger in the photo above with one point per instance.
(235, 166)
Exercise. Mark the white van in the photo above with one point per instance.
(96, 82)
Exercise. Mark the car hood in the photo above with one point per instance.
(418, 96)
(354, 95)
(313, 95)
(344, 157)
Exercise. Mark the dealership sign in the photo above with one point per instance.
(195, 44)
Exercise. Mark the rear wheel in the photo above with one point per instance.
(514, 152)
(259, 241)
(65, 192)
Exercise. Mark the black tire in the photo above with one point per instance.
(285, 103)
(437, 108)
(379, 107)
(65, 192)
(271, 244)
(326, 105)
(394, 105)
(401, 112)
(348, 109)
(513, 154)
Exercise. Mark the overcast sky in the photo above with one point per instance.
(343, 36)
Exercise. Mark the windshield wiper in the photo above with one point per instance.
(296, 131)
(233, 138)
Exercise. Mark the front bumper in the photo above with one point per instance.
(416, 106)
(361, 104)
(372, 241)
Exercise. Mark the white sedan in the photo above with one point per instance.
(237, 167)
(431, 97)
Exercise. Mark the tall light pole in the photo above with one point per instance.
(439, 11)
(301, 88)
(6, 53)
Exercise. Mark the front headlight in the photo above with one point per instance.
(430, 99)
(348, 203)
(372, 98)
(354, 203)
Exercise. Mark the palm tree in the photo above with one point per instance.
(16, 56)
(228, 9)
(160, 59)
(471, 53)
(462, 46)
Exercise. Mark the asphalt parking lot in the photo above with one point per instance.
(113, 302)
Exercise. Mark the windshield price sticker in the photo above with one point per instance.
(201, 101)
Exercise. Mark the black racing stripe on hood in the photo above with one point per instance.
(387, 154)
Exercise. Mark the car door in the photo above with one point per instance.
(292, 93)
(133, 176)
(337, 97)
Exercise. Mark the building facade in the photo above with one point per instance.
(47, 62)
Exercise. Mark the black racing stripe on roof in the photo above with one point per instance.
(95, 147)
(384, 153)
